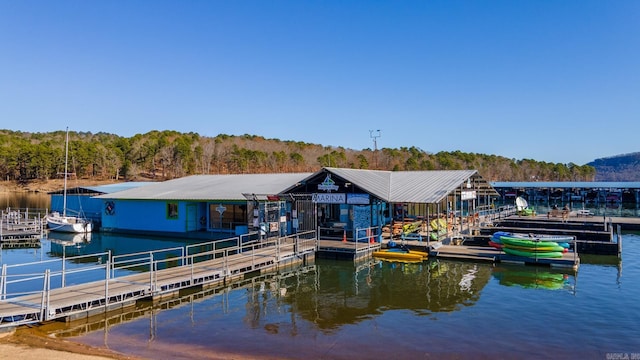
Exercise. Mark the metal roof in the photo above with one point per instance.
(406, 186)
(375, 182)
(111, 188)
(391, 186)
(426, 186)
(568, 184)
(210, 187)
(103, 189)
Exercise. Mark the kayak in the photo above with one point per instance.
(538, 249)
(401, 254)
(531, 236)
(533, 254)
(508, 240)
(495, 245)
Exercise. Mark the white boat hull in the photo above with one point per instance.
(68, 224)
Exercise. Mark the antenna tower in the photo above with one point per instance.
(375, 134)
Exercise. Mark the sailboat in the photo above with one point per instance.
(63, 222)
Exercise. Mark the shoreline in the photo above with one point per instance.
(46, 186)
(30, 343)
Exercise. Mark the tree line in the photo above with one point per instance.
(162, 155)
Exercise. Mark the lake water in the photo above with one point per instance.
(346, 310)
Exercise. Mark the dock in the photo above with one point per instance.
(128, 278)
(345, 246)
(488, 254)
(20, 228)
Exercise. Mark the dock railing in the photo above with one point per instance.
(14, 222)
(18, 281)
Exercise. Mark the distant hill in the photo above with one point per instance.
(618, 168)
(30, 158)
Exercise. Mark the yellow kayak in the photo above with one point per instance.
(401, 254)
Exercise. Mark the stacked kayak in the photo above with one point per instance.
(401, 254)
(560, 240)
(531, 248)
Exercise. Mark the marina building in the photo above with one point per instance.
(336, 200)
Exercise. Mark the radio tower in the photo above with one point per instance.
(375, 134)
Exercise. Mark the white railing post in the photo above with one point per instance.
(44, 309)
(107, 268)
(151, 285)
(64, 262)
(3, 282)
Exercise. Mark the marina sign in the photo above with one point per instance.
(329, 198)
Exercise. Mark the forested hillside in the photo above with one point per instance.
(160, 155)
(618, 168)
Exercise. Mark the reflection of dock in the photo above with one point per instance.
(124, 279)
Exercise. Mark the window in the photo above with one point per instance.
(172, 210)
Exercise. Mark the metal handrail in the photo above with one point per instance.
(299, 243)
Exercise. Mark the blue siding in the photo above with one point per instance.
(79, 204)
(145, 216)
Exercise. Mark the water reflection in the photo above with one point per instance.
(534, 277)
(325, 296)
(69, 244)
(25, 200)
(345, 295)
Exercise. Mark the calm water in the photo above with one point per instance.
(342, 310)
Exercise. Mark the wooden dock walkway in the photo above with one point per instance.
(157, 275)
(337, 249)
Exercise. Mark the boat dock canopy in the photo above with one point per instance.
(568, 184)
(426, 187)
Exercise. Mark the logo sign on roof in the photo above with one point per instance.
(328, 184)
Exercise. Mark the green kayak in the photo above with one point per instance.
(533, 254)
(508, 240)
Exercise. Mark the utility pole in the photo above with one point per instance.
(375, 146)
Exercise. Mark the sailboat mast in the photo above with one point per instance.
(66, 159)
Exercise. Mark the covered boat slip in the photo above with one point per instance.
(29, 298)
(409, 205)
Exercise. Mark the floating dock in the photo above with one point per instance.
(158, 275)
(18, 229)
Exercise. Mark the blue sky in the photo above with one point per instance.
(555, 81)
